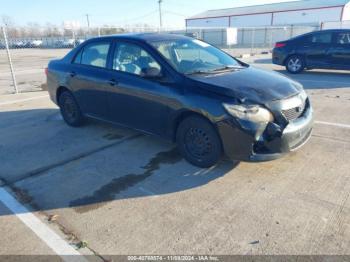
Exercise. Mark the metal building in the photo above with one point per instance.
(306, 12)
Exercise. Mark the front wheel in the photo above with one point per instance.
(199, 142)
(295, 64)
(70, 109)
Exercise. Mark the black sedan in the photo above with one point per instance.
(184, 90)
(328, 49)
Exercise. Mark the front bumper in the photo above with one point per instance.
(240, 142)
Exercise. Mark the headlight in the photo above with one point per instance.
(303, 95)
(253, 113)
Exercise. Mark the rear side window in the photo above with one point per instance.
(343, 38)
(322, 38)
(94, 54)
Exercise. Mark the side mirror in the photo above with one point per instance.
(152, 73)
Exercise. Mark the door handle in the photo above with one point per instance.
(112, 82)
(72, 74)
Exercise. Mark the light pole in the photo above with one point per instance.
(160, 15)
(9, 58)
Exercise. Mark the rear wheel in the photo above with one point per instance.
(70, 109)
(199, 142)
(295, 64)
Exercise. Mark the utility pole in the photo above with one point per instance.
(88, 21)
(160, 15)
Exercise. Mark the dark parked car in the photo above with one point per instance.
(18, 44)
(184, 90)
(68, 43)
(328, 49)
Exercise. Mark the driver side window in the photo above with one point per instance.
(133, 59)
(343, 38)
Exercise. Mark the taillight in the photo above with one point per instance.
(46, 71)
(279, 45)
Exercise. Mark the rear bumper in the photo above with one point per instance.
(53, 97)
(240, 141)
(278, 56)
(52, 84)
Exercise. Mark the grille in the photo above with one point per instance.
(294, 113)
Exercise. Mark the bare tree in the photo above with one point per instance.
(7, 21)
(10, 25)
(33, 29)
(52, 30)
(110, 30)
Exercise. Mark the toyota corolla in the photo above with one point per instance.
(184, 90)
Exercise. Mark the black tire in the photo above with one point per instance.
(198, 142)
(70, 109)
(295, 64)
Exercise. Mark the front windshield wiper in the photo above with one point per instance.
(198, 72)
(226, 68)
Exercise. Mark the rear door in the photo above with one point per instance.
(316, 48)
(88, 78)
(340, 51)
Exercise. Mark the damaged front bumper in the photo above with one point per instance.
(245, 141)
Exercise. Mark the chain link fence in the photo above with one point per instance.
(26, 51)
(336, 25)
(250, 40)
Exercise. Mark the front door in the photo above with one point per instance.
(133, 99)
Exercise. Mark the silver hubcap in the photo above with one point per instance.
(294, 64)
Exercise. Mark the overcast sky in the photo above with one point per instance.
(114, 12)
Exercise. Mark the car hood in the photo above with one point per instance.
(251, 84)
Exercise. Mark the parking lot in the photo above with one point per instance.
(110, 191)
(29, 65)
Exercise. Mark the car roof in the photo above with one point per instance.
(324, 31)
(334, 30)
(146, 37)
(319, 31)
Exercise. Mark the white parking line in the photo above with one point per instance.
(332, 124)
(54, 241)
(23, 100)
(324, 81)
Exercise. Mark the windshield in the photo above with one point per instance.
(190, 56)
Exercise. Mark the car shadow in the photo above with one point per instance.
(319, 79)
(315, 72)
(130, 166)
(312, 71)
(263, 61)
